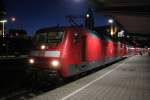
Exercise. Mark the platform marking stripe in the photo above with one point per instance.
(75, 92)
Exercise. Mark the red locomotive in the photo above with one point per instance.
(68, 51)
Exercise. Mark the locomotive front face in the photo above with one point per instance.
(47, 50)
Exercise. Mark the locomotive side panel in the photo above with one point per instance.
(95, 50)
(73, 51)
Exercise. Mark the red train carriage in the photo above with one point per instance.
(68, 51)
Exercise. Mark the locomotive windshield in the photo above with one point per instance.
(49, 37)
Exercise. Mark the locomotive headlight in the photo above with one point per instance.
(55, 64)
(43, 47)
(31, 61)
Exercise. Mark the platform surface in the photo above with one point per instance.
(128, 79)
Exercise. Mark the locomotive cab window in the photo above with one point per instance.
(76, 37)
(41, 38)
(55, 37)
(49, 37)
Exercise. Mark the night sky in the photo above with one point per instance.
(34, 14)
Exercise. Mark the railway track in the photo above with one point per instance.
(26, 93)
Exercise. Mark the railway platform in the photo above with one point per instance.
(128, 79)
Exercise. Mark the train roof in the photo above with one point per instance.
(100, 31)
(57, 28)
(103, 32)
